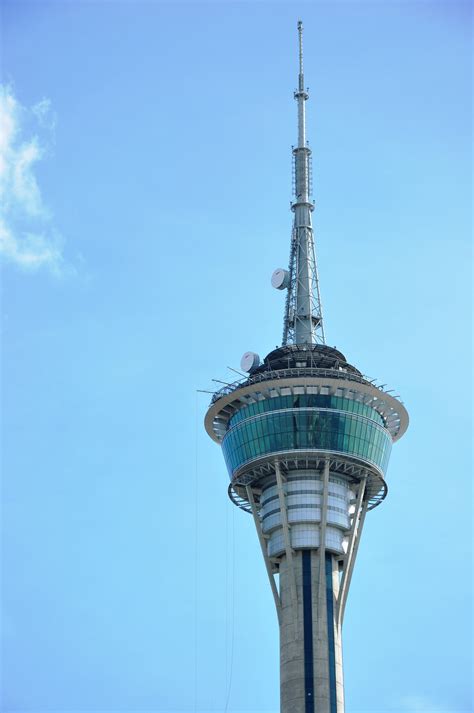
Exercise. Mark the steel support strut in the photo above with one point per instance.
(263, 545)
(353, 546)
(287, 539)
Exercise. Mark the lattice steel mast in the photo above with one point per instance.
(303, 320)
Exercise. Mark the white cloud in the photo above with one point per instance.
(421, 704)
(33, 251)
(44, 113)
(28, 237)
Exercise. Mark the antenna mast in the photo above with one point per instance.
(303, 321)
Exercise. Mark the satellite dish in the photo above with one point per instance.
(280, 279)
(249, 361)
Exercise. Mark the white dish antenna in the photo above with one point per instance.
(249, 361)
(280, 279)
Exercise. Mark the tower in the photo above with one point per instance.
(306, 439)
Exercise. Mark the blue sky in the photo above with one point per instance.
(146, 182)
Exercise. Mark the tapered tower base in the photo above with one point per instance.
(311, 679)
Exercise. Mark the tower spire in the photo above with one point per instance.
(303, 320)
(300, 38)
(301, 106)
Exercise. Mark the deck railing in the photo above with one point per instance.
(295, 372)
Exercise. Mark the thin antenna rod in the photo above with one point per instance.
(238, 372)
(301, 74)
(301, 96)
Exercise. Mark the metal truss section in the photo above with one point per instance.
(303, 319)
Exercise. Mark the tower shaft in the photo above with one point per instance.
(307, 528)
(311, 679)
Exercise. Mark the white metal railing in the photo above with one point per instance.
(295, 372)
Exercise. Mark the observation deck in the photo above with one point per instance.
(303, 405)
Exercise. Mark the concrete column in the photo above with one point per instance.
(311, 678)
(292, 670)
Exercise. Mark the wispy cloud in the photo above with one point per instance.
(28, 237)
(421, 704)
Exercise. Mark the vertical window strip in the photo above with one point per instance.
(331, 642)
(308, 633)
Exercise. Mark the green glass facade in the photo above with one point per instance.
(303, 401)
(305, 428)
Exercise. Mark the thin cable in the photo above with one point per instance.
(226, 639)
(232, 614)
(196, 554)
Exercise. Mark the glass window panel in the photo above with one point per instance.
(308, 427)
